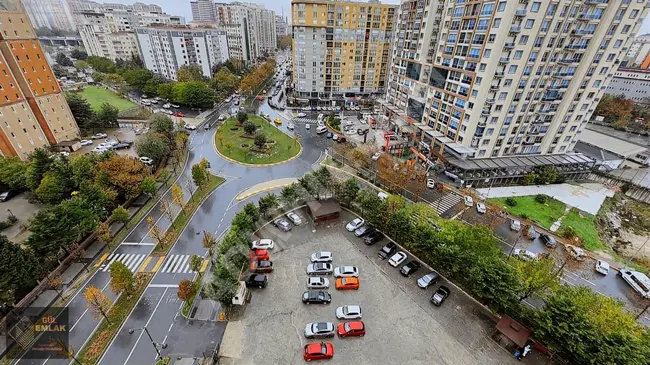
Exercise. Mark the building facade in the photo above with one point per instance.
(281, 27)
(637, 52)
(33, 111)
(634, 84)
(164, 50)
(504, 79)
(341, 50)
(51, 14)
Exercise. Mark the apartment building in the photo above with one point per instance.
(508, 78)
(633, 83)
(281, 27)
(637, 52)
(52, 14)
(165, 49)
(85, 5)
(33, 111)
(341, 49)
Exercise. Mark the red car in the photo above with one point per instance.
(351, 328)
(179, 114)
(259, 255)
(318, 351)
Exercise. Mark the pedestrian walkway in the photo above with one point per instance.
(177, 264)
(141, 262)
(305, 120)
(446, 202)
(132, 261)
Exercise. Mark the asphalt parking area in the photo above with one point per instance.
(402, 326)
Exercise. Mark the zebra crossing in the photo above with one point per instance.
(305, 120)
(446, 202)
(132, 261)
(177, 264)
(171, 264)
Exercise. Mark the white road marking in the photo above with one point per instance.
(145, 325)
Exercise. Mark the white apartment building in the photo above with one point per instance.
(52, 14)
(165, 49)
(281, 27)
(633, 83)
(86, 5)
(490, 79)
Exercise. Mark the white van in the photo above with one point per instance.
(382, 195)
(638, 281)
(320, 117)
(321, 129)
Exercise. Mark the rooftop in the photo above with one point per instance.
(595, 152)
(612, 144)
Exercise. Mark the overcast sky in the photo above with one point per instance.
(182, 7)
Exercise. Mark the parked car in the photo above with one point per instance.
(525, 255)
(410, 268)
(263, 244)
(356, 223)
(330, 135)
(347, 284)
(259, 255)
(602, 267)
(530, 232)
(122, 146)
(100, 150)
(440, 295)
(548, 241)
(282, 224)
(351, 328)
(318, 282)
(261, 266)
(319, 268)
(99, 136)
(321, 256)
(348, 312)
(319, 330)
(469, 201)
(190, 127)
(318, 351)
(431, 183)
(515, 225)
(179, 114)
(7, 195)
(294, 218)
(387, 250)
(576, 252)
(346, 272)
(363, 230)
(376, 156)
(86, 142)
(373, 237)
(428, 280)
(638, 281)
(175, 106)
(480, 207)
(256, 281)
(316, 297)
(397, 259)
(146, 160)
(167, 106)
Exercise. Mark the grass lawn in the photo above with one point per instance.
(96, 96)
(229, 143)
(544, 214)
(585, 226)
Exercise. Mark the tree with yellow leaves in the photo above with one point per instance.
(98, 302)
(178, 196)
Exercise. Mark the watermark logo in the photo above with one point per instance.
(39, 336)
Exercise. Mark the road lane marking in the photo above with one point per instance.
(145, 264)
(204, 266)
(162, 286)
(145, 326)
(101, 260)
(136, 263)
(157, 265)
(138, 244)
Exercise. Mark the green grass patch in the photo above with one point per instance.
(231, 143)
(164, 361)
(585, 227)
(187, 305)
(118, 313)
(544, 214)
(96, 96)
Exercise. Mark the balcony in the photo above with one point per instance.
(504, 59)
(582, 32)
(557, 87)
(515, 29)
(589, 16)
(595, 2)
(495, 87)
(575, 47)
(521, 13)
(485, 112)
(509, 45)
(566, 60)
(499, 74)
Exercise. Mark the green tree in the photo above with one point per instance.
(260, 140)
(13, 172)
(249, 127)
(83, 168)
(325, 180)
(122, 279)
(138, 78)
(79, 54)
(120, 215)
(267, 203)
(311, 185)
(149, 186)
(188, 73)
(289, 195)
(547, 175)
(107, 116)
(195, 263)
(153, 145)
(199, 175)
(19, 270)
(242, 117)
(81, 110)
(222, 289)
(39, 164)
(194, 94)
(243, 221)
(50, 191)
(348, 191)
(63, 60)
(536, 276)
(102, 64)
(372, 207)
(100, 199)
(494, 282)
(168, 91)
(81, 65)
(252, 211)
(162, 124)
(224, 83)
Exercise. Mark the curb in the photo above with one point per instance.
(355, 177)
(245, 196)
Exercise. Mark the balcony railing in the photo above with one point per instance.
(490, 101)
(521, 12)
(504, 59)
(515, 29)
(509, 45)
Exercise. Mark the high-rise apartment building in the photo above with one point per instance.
(33, 111)
(481, 79)
(86, 5)
(281, 27)
(341, 49)
(52, 14)
(165, 49)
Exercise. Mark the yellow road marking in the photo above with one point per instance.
(102, 259)
(157, 265)
(145, 263)
(204, 266)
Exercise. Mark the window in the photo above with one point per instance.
(597, 83)
(529, 23)
(634, 13)
(512, 69)
(518, 55)
(535, 7)
(497, 22)
(487, 53)
(502, 6)
(618, 43)
(604, 70)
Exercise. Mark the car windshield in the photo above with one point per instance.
(320, 266)
(320, 327)
(347, 326)
(356, 221)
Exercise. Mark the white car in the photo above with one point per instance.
(318, 282)
(294, 218)
(86, 142)
(228, 99)
(356, 223)
(290, 126)
(469, 201)
(167, 106)
(525, 255)
(346, 272)
(376, 156)
(167, 111)
(319, 330)
(99, 136)
(397, 259)
(321, 256)
(146, 160)
(263, 244)
(638, 281)
(335, 137)
(515, 225)
(431, 183)
(110, 142)
(175, 106)
(348, 312)
(480, 207)
(301, 115)
(64, 153)
(99, 149)
(104, 145)
(602, 267)
(190, 127)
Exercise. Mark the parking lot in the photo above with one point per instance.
(402, 326)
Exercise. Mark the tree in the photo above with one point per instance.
(224, 83)
(122, 279)
(102, 64)
(168, 91)
(267, 203)
(194, 94)
(222, 289)
(348, 191)
(106, 117)
(166, 209)
(243, 221)
(325, 180)
(114, 79)
(50, 191)
(19, 270)
(310, 184)
(186, 290)
(372, 207)
(162, 124)
(536, 276)
(81, 65)
(199, 175)
(81, 110)
(79, 54)
(98, 302)
(149, 186)
(120, 215)
(180, 140)
(252, 211)
(63, 60)
(153, 145)
(138, 78)
(100, 199)
(494, 282)
(103, 232)
(13, 172)
(289, 195)
(195, 263)
(242, 117)
(285, 42)
(547, 175)
(260, 140)
(209, 241)
(188, 73)
(39, 164)
(249, 127)
(124, 174)
(614, 108)
(178, 196)
(155, 232)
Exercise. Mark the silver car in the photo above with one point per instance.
(294, 218)
(321, 256)
(318, 282)
(348, 312)
(319, 330)
(319, 268)
(282, 224)
(346, 272)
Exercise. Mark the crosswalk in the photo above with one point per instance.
(446, 202)
(177, 264)
(170, 264)
(132, 261)
(304, 120)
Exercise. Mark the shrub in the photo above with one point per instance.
(541, 198)
(249, 127)
(524, 216)
(569, 232)
(511, 202)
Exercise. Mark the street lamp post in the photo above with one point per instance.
(153, 343)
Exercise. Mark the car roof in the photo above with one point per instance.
(316, 279)
(315, 347)
(324, 253)
(353, 308)
(266, 240)
(356, 325)
(444, 288)
(349, 280)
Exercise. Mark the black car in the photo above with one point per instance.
(410, 268)
(363, 230)
(548, 241)
(256, 281)
(387, 250)
(440, 295)
(373, 238)
(8, 195)
(428, 280)
(316, 297)
(122, 146)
